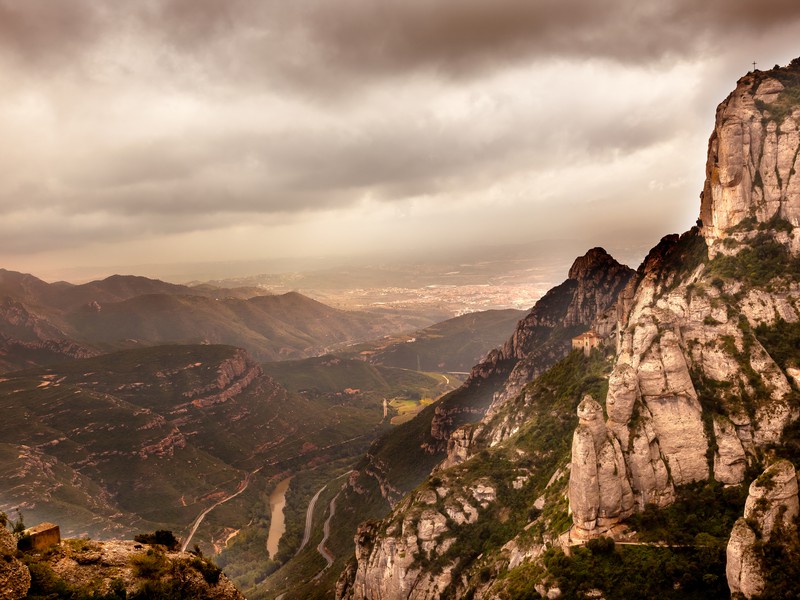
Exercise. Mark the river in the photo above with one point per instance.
(277, 522)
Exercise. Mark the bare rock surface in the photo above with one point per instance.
(15, 579)
(772, 502)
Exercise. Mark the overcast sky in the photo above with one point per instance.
(162, 131)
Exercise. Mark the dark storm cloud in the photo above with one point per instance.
(310, 43)
(355, 96)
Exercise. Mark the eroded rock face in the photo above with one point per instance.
(752, 166)
(15, 579)
(684, 341)
(585, 300)
(772, 502)
(693, 392)
(388, 565)
(591, 289)
(772, 498)
(742, 568)
(599, 491)
(95, 566)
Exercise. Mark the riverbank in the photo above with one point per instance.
(277, 522)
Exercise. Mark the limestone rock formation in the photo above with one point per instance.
(585, 300)
(388, 565)
(699, 388)
(599, 492)
(15, 579)
(751, 173)
(772, 503)
(85, 565)
(591, 289)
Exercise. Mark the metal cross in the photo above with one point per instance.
(754, 65)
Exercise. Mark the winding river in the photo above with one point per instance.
(277, 522)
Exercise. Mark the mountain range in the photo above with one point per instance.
(42, 323)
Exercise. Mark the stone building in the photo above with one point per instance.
(39, 537)
(586, 342)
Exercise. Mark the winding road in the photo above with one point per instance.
(310, 519)
(326, 530)
(242, 487)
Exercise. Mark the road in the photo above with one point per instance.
(310, 519)
(326, 530)
(242, 487)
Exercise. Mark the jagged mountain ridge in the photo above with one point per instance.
(704, 382)
(541, 339)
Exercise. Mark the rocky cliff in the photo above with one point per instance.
(701, 389)
(393, 559)
(585, 300)
(15, 578)
(772, 507)
(751, 172)
(78, 568)
(695, 394)
(543, 336)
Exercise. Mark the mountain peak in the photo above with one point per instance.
(595, 259)
(751, 169)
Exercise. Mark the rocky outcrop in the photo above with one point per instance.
(599, 492)
(105, 567)
(694, 394)
(587, 299)
(543, 337)
(752, 168)
(15, 579)
(772, 503)
(234, 375)
(388, 564)
(27, 340)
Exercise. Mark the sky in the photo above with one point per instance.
(194, 131)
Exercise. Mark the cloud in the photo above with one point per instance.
(142, 119)
(316, 46)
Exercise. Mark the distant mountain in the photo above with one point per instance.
(42, 323)
(269, 327)
(452, 345)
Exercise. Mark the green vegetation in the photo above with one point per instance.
(331, 375)
(157, 576)
(758, 263)
(780, 560)
(782, 341)
(453, 345)
(639, 572)
(161, 537)
(165, 456)
(548, 408)
(788, 99)
(407, 409)
(707, 509)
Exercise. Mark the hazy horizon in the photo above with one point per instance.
(173, 135)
